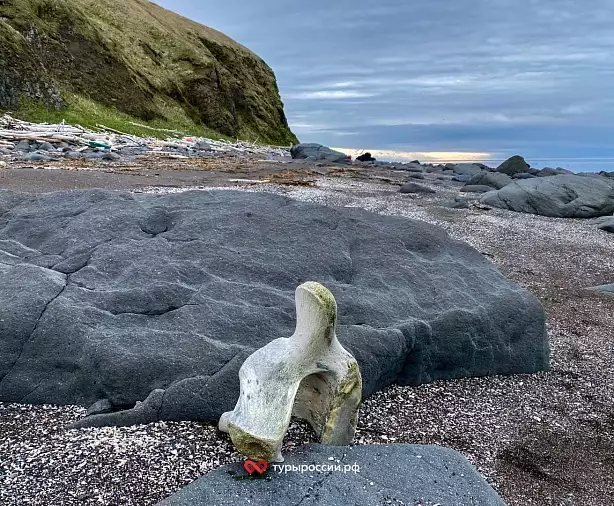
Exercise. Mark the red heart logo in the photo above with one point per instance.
(255, 467)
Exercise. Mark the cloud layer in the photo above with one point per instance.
(496, 76)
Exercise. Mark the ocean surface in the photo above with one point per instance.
(573, 164)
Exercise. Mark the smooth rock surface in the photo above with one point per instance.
(604, 289)
(495, 180)
(475, 188)
(314, 152)
(389, 474)
(467, 169)
(109, 295)
(565, 196)
(415, 188)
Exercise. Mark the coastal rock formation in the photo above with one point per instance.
(557, 196)
(112, 295)
(415, 188)
(496, 180)
(514, 165)
(317, 152)
(135, 57)
(372, 474)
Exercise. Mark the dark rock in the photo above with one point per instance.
(494, 180)
(456, 204)
(317, 152)
(46, 146)
(173, 292)
(23, 146)
(549, 171)
(385, 474)
(100, 407)
(523, 175)
(514, 165)
(109, 156)
(415, 188)
(39, 157)
(202, 146)
(603, 289)
(411, 167)
(464, 169)
(607, 225)
(606, 174)
(556, 196)
(415, 175)
(475, 188)
(463, 178)
(365, 157)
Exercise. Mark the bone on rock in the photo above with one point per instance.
(308, 375)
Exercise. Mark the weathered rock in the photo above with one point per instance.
(384, 474)
(603, 289)
(494, 180)
(100, 407)
(467, 169)
(39, 157)
(415, 188)
(523, 175)
(415, 175)
(308, 375)
(514, 165)
(456, 204)
(317, 152)
(112, 157)
(556, 196)
(549, 171)
(46, 146)
(23, 146)
(463, 178)
(174, 292)
(412, 167)
(475, 188)
(607, 225)
(366, 157)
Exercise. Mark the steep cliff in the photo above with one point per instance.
(137, 58)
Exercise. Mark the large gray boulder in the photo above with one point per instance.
(514, 165)
(317, 152)
(495, 180)
(369, 475)
(556, 196)
(109, 295)
(467, 169)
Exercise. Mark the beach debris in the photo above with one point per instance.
(47, 142)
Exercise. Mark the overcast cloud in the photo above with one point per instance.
(498, 76)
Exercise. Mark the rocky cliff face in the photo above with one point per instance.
(140, 59)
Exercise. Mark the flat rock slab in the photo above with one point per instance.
(557, 196)
(389, 474)
(604, 289)
(110, 295)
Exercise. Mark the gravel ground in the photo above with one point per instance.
(544, 439)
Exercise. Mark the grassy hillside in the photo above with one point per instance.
(133, 59)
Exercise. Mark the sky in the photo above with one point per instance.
(477, 79)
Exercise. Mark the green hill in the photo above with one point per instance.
(131, 60)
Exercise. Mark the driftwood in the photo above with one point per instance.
(12, 129)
